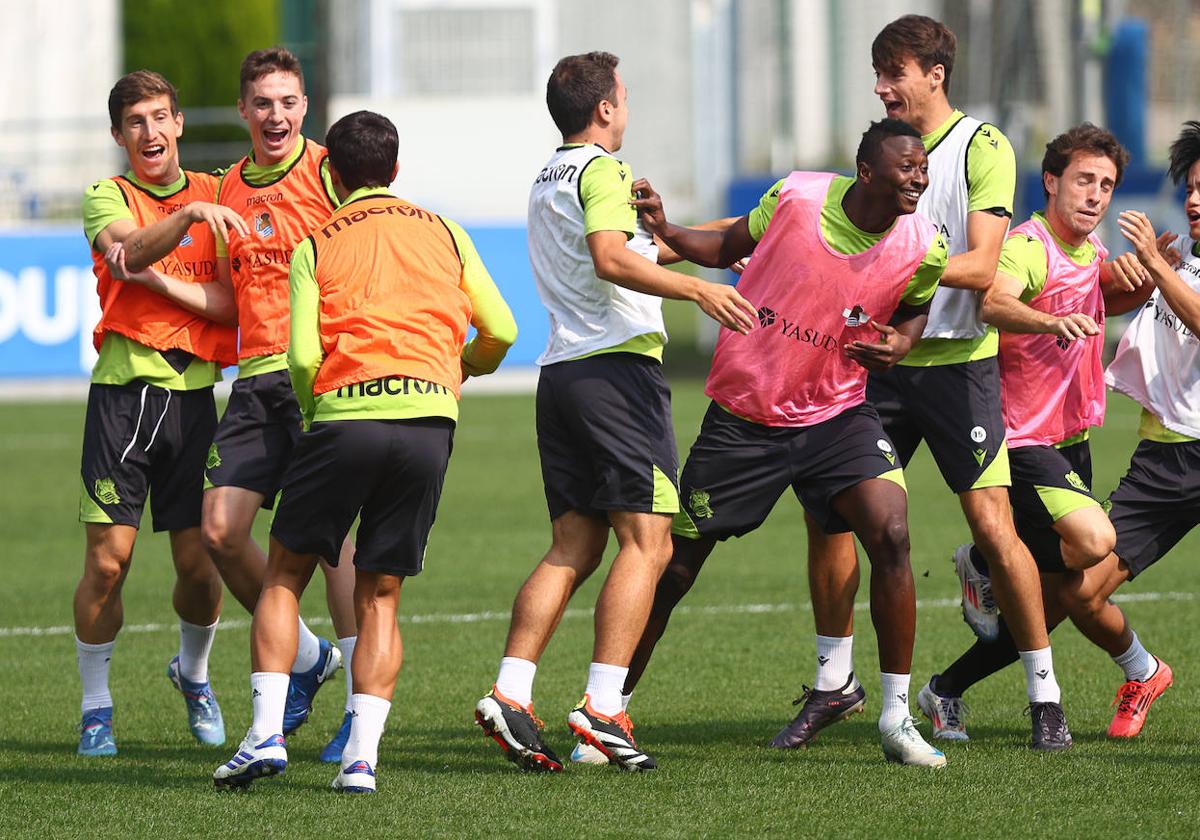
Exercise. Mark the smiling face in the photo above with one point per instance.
(149, 133)
(1191, 201)
(1078, 199)
(908, 92)
(900, 175)
(273, 107)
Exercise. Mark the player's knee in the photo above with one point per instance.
(219, 540)
(675, 582)
(994, 534)
(105, 570)
(890, 543)
(1079, 596)
(1091, 547)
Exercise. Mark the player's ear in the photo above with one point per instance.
(1050, 183)
(864, 172)
(937, 76)
(178, 124)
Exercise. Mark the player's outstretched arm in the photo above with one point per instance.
(1126, 284)
(711, 245)
(1002, 307)
(976, 267)
(617, 264)
(667, 255)
(1184, 302)
(145, 246)
(213, 300)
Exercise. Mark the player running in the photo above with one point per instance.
(843, 273)
(382, 294)
(1156, 503)
(605, 438)
(282, 191)
(946, 392)
(164, 333)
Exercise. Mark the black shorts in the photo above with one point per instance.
(141, 440)
(737, 470)
(256, 436)
(1157, 502)
(605, 437)
(1047, 484)
(389, 471)
(956, 410)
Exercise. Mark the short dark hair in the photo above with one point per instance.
(264, 62)
(362, 148)
(1084, 137)
(577, 85)
(135, 87)
(929, 42)
(872, 140)
(1185, 151)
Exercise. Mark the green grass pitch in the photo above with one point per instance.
(719, 688)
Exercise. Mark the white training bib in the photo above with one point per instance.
(954, 313)
(587, 314)
(1158, 358)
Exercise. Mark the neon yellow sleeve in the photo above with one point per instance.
(495, 327)
(330, 193)
(991, 172)
(761, 215)
(1024, 258)
(924, 282)
(103, 204)
(605, 190)
(304, 353)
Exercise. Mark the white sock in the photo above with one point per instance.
(604, 686)
(195, 642)
(1040, 683)
(268, 695)
(1137, 663)
(625, 698)
(366, 728)
(308, 650)
(346, 646)
(835, 662)
(894, 690)
(93, 673)
(515, 680)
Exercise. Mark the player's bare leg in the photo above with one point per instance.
(1088, 537)
(197, 599)
(625, 600)
(99, 612)
(274, 630)
(833, 578)
(379, 653)
(227, 519)
(198, 590)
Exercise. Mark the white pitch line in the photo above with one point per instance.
(495, 615)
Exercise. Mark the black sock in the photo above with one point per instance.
(978, 560)
(981, 660)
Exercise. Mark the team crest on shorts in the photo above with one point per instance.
(699, 503)
(106, 492)
(1075, 481)
(214, 458)
(886, 449)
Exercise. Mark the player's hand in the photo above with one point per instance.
(724, 305)
(1074, 326)
(114, 258)
(1128, 273)
(649, 205)
(878, 356)
(220, 220)
(1167, 251)
(1136, 227)
(740, 266)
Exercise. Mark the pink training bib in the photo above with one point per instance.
(1053, 389)
(811, 300)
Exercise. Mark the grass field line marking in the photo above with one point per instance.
(497, 615)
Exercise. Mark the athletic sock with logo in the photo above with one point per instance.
(515, 680)
(268, 696)
(835, 662)
(1040, 683)
(894, 689)
(366, 728)
(1136, 662)
(604, 687)
(346, 646)
(93, 673)
(195, 643)
(308, 650)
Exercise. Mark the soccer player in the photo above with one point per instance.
(282, 190)
(946, 392)
(842, 276)
(1155, 504)
(150, 413)
(605, 438)
(382, 294)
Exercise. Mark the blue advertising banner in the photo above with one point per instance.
(48, 303)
